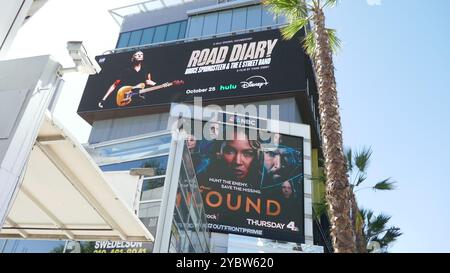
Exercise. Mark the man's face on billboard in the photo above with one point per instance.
(138, 56)
(272, 162)
(239, 155)
(214, 131)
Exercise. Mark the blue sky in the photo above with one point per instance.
(393, 76)
(393, 83)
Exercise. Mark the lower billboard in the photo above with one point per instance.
(251, 182)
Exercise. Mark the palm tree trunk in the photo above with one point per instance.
(338, 190)
(358, 224)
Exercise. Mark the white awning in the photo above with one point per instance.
(64, 195)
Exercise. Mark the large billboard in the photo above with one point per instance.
(252, 64)
(251, 183)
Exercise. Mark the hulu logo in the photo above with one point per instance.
(227, 87)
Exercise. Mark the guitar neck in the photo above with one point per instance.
(153, 88)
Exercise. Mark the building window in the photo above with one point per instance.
(156, 34)
(253, 17)
(135, 38)
(239, 19)
(267, 17)
(210, 24)
(147, 35)
(182, 33)
(160, 34)
(172, 31)
(159, 164)
(149, 214)
(196, 26)
(152, 188)
(225, 21)
(123, 39)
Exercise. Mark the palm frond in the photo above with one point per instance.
(289, 8)
(369, 215)
(385, 185)
(289, 31)
(361, 178)
(362, 159)
(333, 40)
(349, 159)
(391, 235)
(379, 223)
(359, 219)
(330, 3)
(319, 209)
(309, 44)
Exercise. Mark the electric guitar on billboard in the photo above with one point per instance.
(126, 93)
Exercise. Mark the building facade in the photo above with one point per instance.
(208, 195)
(180, 27)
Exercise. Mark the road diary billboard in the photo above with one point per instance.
(252, 64)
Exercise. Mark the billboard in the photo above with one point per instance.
(251, 185)
(253, 64)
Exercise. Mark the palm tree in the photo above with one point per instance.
(357, 165)
(319, 44)
(377, 235)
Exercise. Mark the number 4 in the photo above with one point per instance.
(292, 226)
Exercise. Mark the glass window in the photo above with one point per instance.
(239, 19)
(194, 220)
(31, 246)
(188, 248)
(147, 36)
(130, 150)
(148, 214)
(210, 24)
(135, 38)
(160, 34)
(195, 26)
(159, 164)
(152, 189)
(182, 206)
(268, 18)
(123, 39)
(172, 31)
(254, 16)
(224, 21)
(182, 33)
(195, 240)
(282, 20)
(180, 228)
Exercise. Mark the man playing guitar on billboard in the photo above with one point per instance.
(134, 76)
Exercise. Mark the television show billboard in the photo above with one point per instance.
(252, 64)
(251, 187)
